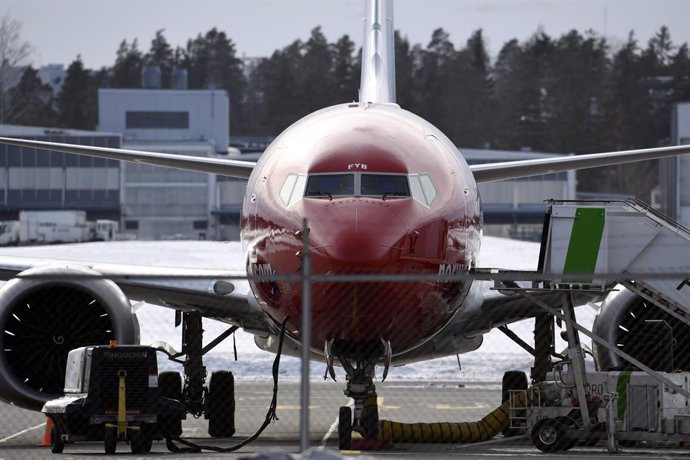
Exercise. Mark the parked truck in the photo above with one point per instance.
(105, 230)
(51, 227)
(9, 233)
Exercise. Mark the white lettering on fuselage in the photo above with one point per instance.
(357, 166)
(264, 270)
(451, 269)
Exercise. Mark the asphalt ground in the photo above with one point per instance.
(21, 431)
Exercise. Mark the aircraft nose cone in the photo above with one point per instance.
(359, 231)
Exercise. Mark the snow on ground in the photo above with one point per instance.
(487, 364)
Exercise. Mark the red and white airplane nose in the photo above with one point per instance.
(357, 234)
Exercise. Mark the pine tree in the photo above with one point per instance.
(575, 87)
(473, 86)
(280, 87)
(407, 85)
(73, 101)
(435, 80)
(679, 69)
(626, 112)
(212, 63)
(30, 102)
(345, 70)
(161, 55)
(128, 65)
(317, 80)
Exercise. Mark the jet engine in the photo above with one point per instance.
(642, 330)
(44, 313)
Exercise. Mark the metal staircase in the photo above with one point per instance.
(598, 244)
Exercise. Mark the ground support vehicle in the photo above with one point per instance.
(598, 248)
(112, 395)
(625, 408)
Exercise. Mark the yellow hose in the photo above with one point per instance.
(446, 432)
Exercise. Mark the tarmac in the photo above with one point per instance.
(22, 431)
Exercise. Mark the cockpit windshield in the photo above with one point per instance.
(330, 185)
(385, 185)
(382, 185)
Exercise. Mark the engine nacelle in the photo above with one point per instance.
(624, 321)
(42, 319)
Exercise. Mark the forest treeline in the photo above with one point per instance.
(570, 94)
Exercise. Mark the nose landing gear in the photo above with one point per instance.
(363, 418)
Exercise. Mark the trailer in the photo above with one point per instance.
(51, 227)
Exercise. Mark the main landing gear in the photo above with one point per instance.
(364, 419)
(215, 400)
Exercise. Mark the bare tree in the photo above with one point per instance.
(13, 54)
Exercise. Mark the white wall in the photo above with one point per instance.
(208, 114)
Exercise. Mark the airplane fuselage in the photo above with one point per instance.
(383, 192)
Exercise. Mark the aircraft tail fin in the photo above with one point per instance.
(378, 53)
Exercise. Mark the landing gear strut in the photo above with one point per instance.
(216, 404)
(364, 419)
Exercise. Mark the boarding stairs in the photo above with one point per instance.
(605, 243)
(597, 246)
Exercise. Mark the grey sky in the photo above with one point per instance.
(59, 30)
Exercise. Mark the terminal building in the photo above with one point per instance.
(165, 203)
(32, 180)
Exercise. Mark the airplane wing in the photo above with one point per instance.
(225, 167)
(219, 294)
(491, 172)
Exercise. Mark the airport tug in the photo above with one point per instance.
(113, 394)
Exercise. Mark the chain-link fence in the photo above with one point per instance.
(413, 347)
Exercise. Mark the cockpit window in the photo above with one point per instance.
(330, 185)
(385, 185)
(292, 189)
(423, 189)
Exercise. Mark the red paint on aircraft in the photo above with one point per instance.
(363, 234)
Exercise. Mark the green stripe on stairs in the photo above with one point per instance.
(585, 240)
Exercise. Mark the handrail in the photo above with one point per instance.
(634, 202)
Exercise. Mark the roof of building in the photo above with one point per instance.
(17, 130)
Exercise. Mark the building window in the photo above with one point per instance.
(157, 120)
(200, 224)
(131, 225)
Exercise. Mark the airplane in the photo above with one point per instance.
(382, 192)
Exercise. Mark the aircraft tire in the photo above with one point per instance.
(370, 420)
(221, 405)
(345, 428)
(57, 445)
(170, 386)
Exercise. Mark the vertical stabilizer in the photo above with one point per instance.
(378, 53)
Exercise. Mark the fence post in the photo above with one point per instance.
(305, 337)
